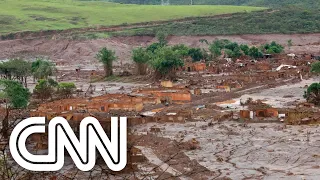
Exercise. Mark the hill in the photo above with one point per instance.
(286, 20)
(267, 3)
(35, 15)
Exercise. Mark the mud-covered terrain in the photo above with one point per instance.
(249, 151)
(82, 52)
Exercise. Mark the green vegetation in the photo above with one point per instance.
(245, 49)
(14, 96)
(45, 89)
(106, 57)
(313, 93)
(36, 15)
(272, 48)
(20, 70)
(234, 50)
(141, 57)
(254, 52)
(285, 20)
(15, 93)
(66, 89)
(268, 3)
(182, 49)
(315, 67)
(48, 88)
(165, 61)
(42, 69)
(195, 54)
(17, 69)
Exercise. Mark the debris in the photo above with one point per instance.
(200, 107)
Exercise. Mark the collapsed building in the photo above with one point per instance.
(130, 105)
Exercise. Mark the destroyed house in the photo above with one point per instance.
(175, 94)
(197, 66)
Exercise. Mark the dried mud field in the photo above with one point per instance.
(248, 151)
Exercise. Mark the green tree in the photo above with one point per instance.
(216, 46)
(182, 49)
(153, 47)
(236, 53)
(141, 56)
(16, 69)
(206, 55)
(231, 46)
(232, 49)
(215, 50)
(15, 96)
(315, 67)
(45, 88)
(313, 93)
(165, 62)
(273, 48)
(42, 69)
(195, 54)
(106, 57)
(161, 36)
(245, 49)
(66, 89)
(228, 52)
(254, 52)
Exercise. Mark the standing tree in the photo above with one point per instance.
(66, 89)
(215, 51)
(15, 96)
(17, 69)
(45, 88)
(165, 62)
(161, 36)
(141, 56)
(272, 48)
(233, 50)
(182, 49)
(153, 47)
(216, 46)
(254, 52)
(195, 54)
(106, 57)
(22, 70)
(313, 93)
(42, 69)
(245, 49)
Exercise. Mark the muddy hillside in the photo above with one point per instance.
(75, 53)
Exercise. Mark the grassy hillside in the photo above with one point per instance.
(268, 3)
(34, 15)
(287, 20)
